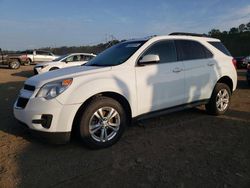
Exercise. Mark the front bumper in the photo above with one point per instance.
(37, 70)
(50, 137)
(59, 118)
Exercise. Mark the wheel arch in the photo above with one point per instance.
(228, 81)
(116, 96)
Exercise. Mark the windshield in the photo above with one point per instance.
(116, 55)
(60, 58)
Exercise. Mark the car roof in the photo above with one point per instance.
(178, 36)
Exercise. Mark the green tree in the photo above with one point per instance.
(242, 27)
(234, 30)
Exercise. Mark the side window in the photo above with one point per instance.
(73, 58)
(39, 53)
(165, 50)
(83, 58)
(77, 58)
(188, 50)
(88, 58)
(221, 47)
(69, 59)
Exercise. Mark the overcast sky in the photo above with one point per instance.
(26, 24)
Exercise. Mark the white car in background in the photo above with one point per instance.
(36, 56)
(69, 60)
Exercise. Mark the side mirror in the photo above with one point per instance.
(149, 59)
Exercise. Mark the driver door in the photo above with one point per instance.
(160, 85)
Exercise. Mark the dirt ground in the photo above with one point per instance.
(184, 149)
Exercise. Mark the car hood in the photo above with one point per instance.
(71, 72)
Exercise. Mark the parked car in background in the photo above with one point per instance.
(35, 56)
(65, 61)
(240, 62)
(133, 79)
(248, 73)
(13, 61)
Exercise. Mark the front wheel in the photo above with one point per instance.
(220, 100)
(102, 123)
(28, 62)
(14, 64)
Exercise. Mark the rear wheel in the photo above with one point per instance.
(220, 100)
(15, 64)
(102, 123)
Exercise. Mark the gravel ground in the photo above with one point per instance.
(184, 149)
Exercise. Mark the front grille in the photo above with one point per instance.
(22, 102)
(29, 87)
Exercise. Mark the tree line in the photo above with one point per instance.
(237, 39)
(96, 49)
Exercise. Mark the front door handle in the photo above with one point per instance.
(177, 70)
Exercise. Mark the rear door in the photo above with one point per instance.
(39, 56)
(198, 69)
(160, 85)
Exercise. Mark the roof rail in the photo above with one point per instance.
(189, 34)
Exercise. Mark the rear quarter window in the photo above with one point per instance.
(221, 47)
(191, 50)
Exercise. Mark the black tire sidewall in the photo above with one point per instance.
(211, 106)
(28, 62)
(87, 114)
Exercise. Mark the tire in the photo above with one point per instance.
(15, 64)
(28, 62)
(53, 68)
(220, 100)
(101, 124)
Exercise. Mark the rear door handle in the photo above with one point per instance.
(177, 70)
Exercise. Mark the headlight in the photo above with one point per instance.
(53, 89)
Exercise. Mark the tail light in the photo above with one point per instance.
(234, 63)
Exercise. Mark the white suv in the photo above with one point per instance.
(132, 79)
(69, 60)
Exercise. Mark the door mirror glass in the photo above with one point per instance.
(149, 59)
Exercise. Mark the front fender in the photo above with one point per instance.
(79, 93)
